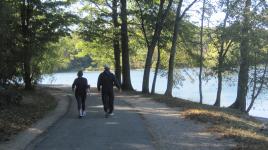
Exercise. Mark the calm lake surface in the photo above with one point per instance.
(187, 88)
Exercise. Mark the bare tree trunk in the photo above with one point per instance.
(201, 54)
(116, 39)
(221, 56)
(256, 91)
(242, 88)
(173, 51)
(178, 19)
(219, 89)
(156, 68)
(158, 28)
(126, 85)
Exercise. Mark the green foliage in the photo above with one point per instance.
(9, 46)
(31, 41)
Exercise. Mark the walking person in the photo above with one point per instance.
(80, 86)
(106, 81)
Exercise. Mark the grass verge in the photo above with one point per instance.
(230, 123)
(35, 105)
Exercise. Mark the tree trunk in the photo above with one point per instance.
(257, 91)
(218, 97)
(116, 44)
(25, 18)
(201, 54)
(173, 51)
(156, 69)
(222, 52)
(158, 28)
(27, 75)
(240, 102)
(126, 85)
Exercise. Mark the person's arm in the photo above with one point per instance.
(116, 83)
(99, 82)
(88, 86)
(74, 84)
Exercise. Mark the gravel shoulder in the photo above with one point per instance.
(171, 131)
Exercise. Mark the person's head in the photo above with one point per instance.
(80, 73)
(106, 67)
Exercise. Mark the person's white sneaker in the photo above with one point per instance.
(80, 113)
(84, 113)
(111, 114)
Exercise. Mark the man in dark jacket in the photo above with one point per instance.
(81, 86)
(106, 81)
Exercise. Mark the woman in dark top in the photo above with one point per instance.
(80, 86)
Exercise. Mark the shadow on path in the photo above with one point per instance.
(123, 131)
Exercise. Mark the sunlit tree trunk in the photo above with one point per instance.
(173, 51)
(201, 53)
(157, 31)
(116, 42)
(242, 88)
(221, 57)
(156, 68)
(126, 84)
(178, 19)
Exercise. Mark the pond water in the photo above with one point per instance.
(186, 89)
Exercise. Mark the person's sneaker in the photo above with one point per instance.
(84, 113)
(80, 113)
(111, 114)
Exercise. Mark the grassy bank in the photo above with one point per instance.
(35, 105)
(230, 123)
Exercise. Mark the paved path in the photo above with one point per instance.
(139, 124)
(124, 131)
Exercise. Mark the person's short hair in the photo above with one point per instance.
(106, 66)
(80, 73)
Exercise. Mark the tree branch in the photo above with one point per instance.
(142, 24)
(227, 48)
(187, 8)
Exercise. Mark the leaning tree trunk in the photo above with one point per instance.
(240, 102)
(156, 69)
(158, 28)
(257, 91)
(116, 44)
(173, 51)
(126, 85)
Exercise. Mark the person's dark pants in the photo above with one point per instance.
(108, 101)
(81, 101)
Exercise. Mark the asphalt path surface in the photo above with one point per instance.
(126, 130)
